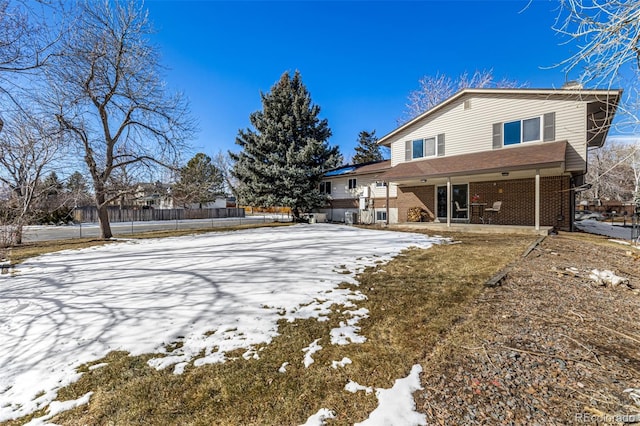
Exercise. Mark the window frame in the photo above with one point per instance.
(428, 144)
(521, 131)
(325, 187)
(353, 183)
(381, 215)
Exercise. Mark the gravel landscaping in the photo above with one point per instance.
(553, 344)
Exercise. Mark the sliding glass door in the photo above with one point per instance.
(459, 203)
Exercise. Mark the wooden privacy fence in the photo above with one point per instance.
(116, 214)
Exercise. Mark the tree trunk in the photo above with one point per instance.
(295, 211)
(103, 219)
(17, 234)
(10, 235)
(103, 215)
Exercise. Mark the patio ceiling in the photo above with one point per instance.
(523, 157)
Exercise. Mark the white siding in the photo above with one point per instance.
(366, 216)
(340, 187)
(470, 130)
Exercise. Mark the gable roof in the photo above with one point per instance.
(542, 155)
(610, 97)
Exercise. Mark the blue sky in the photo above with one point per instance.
(358, 59)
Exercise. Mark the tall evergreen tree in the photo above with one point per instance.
(367, 149)
(200, 181)
(77, 183)
(285, 155)
(77, 190)
(51, 186)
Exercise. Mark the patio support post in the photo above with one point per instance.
(537, 202)
(448, 202)
(386, 184)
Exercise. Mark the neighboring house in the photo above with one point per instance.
(153, 195)
(219, 203)
(524, 148)
(358, 194)
(159, 196)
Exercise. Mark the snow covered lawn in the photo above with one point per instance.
(65, 309)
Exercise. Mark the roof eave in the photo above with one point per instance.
(616, 93)
(553, 165)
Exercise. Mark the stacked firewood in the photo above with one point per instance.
(417, 214)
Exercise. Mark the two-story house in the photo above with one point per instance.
(525, 149)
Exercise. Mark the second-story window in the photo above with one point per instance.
(535, 129)
(325, 187)
(426, 147)
(352, 183)
(519, 131)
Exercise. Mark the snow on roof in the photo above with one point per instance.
(341, 171)
(370, 167)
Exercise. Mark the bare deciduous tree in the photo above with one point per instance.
(607, 33)
(27, 147)
(435, 89)
(111, 100)
(612, 172)
(607, 37)
(224, 163)
(27, 42)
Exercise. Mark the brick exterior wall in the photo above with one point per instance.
(343, 203)
(416, 196)
(517, 196)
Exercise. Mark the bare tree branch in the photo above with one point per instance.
(111, 99)
(435, 89)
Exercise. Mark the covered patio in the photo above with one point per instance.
(529, 182)
(473, 228)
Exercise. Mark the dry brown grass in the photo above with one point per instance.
(414, 301)
(20, 253)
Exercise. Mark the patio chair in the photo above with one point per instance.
(494, 210)
(460, 209)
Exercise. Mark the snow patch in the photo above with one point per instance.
(354, 387)
(318, 418)
(342, 363)
(607, 277)
(190, 300)
(396, 406)
(309, 351)
(57, 407)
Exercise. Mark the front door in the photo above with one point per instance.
(459, 193)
